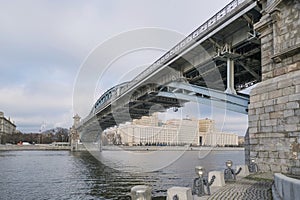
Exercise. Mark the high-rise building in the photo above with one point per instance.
(6, 127)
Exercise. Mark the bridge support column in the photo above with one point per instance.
(274, 110)
(230, 77)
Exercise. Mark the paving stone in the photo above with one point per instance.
(245, 189)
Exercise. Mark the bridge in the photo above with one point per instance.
(210, 66)
(247, 42)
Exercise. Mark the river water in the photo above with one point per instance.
(78, 175)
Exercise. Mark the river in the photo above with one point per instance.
(78, 175)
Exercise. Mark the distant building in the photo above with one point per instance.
(221, 139)
(132, 135)
(241, 140)
(206, 125)
(173, 132)
(187, 130)
(147, 120)
(210, 136)
(6, 127)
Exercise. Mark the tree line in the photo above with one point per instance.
(62, 135)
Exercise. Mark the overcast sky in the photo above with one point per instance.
(44, 43)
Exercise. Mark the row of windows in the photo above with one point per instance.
(103, 100)
(106, 96)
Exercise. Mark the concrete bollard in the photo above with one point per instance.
(183, 193)
(141, 192)
(219, 180)
(244, 172)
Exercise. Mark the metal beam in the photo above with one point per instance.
(233, 98)
(251, 71)
(208, 101)
(248, 19)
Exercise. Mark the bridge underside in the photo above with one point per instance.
(206, 64)
(227, 57)
(146, 105)
(172, 95)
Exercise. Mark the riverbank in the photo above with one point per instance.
(170, 148)
(49, 147)
(36, 147)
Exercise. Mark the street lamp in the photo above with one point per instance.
(229, 163)
(201, 181)
(229, 173)
(253, 167)
(200, 170)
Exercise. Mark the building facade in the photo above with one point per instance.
(210, 136)
(221, 139)
(147, 135)
(6, 127)
(175, 132)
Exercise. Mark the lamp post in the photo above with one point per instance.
(253, 167)
(228, 163)
(200, 171)
(201, 181)
(229, 173)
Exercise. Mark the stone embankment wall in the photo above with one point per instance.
(274, 110)
(32, 148)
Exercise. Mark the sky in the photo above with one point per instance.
(45, 44)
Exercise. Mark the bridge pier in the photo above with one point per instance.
(274, 110)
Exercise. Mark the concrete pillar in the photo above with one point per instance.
(141, 192)
(183, 193)
(219, 180)
(244, 172)
(230, 77)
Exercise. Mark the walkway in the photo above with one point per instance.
(250, 188)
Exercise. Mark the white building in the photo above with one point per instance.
(131, 134)
(187, 130)
(173, 132)
(7, 127)
(220, 139)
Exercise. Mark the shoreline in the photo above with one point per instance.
(36, 147)
(45, 147)
(170, 148)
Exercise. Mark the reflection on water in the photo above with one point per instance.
(78, 175)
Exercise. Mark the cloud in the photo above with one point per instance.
(35, 103)
(43, 44)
